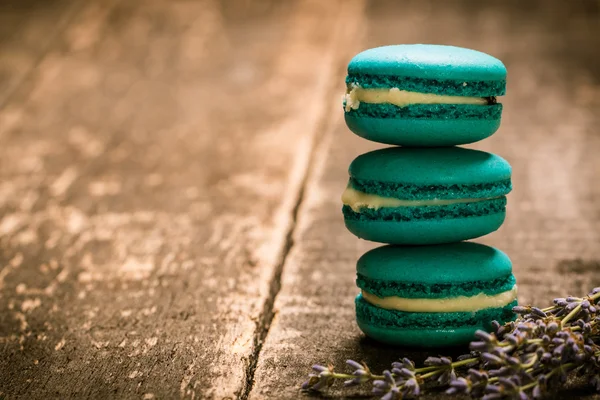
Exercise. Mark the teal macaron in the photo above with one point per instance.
(424, 95)
(433, 296)
(421, 196)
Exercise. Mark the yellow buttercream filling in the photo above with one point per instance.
(451, 304)
(358, 200)
(402, 98)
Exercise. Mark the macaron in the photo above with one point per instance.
(424, 95)
(420, 196)
(433, 296)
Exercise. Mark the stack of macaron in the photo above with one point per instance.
(424, 197)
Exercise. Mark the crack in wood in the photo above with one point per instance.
(336, 53)
(268, 312)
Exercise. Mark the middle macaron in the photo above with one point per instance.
(419, 196)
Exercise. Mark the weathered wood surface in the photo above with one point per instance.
(549, 134)
(156, 220)
(150, 167)
(27, 29)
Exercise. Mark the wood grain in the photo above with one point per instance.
(150, 168)
(170, 174)
(548, 135)
(27, 29)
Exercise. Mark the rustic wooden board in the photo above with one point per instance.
(27, 29)
(549, 134)
(150, 168)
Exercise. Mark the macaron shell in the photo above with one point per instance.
(434, 329)
(430, 166)
(423, 338)
(425, 232)
(453, 263)
(417, 132)
(429, 62)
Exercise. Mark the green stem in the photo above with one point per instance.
(531, 363)
(426, 369)
(592, 299)
(530, 341)
(577, 328)
(464, 362)
(495, 378)
(435, 370)
(509, 347)
(345, 376)
(570, 315)
(430, 374)
(426, 372)
(548, 375)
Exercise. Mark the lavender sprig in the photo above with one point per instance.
(518, 360)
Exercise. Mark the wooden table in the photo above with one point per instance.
(171, 171)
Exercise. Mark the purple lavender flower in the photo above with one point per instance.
(540, 343)
(447, 376)
(492, 359)
(525, 327)
(481, 346)
(538, 313)
(411, 388)
(571, 306)
(503, 371)
(433, 361)
(485, 337)
(403, 373)
(521, 310)
(459, 386)
(522, 396)
(495, 326)
(408, 364)
(585, 304)
(387, 387)
(561, 302)
(552, 327)
(361, 373)
(323, 377)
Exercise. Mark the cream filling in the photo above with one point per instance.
(358, 200)
(402, 98)
(452, 304)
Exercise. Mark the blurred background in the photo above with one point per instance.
(170, 175)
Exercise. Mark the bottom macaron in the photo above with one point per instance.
(433, 296)
(415, 329)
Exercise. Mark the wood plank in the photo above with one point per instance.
(548, 135)
(148, 180)
(27, 29)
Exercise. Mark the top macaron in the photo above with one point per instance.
(424, 95)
